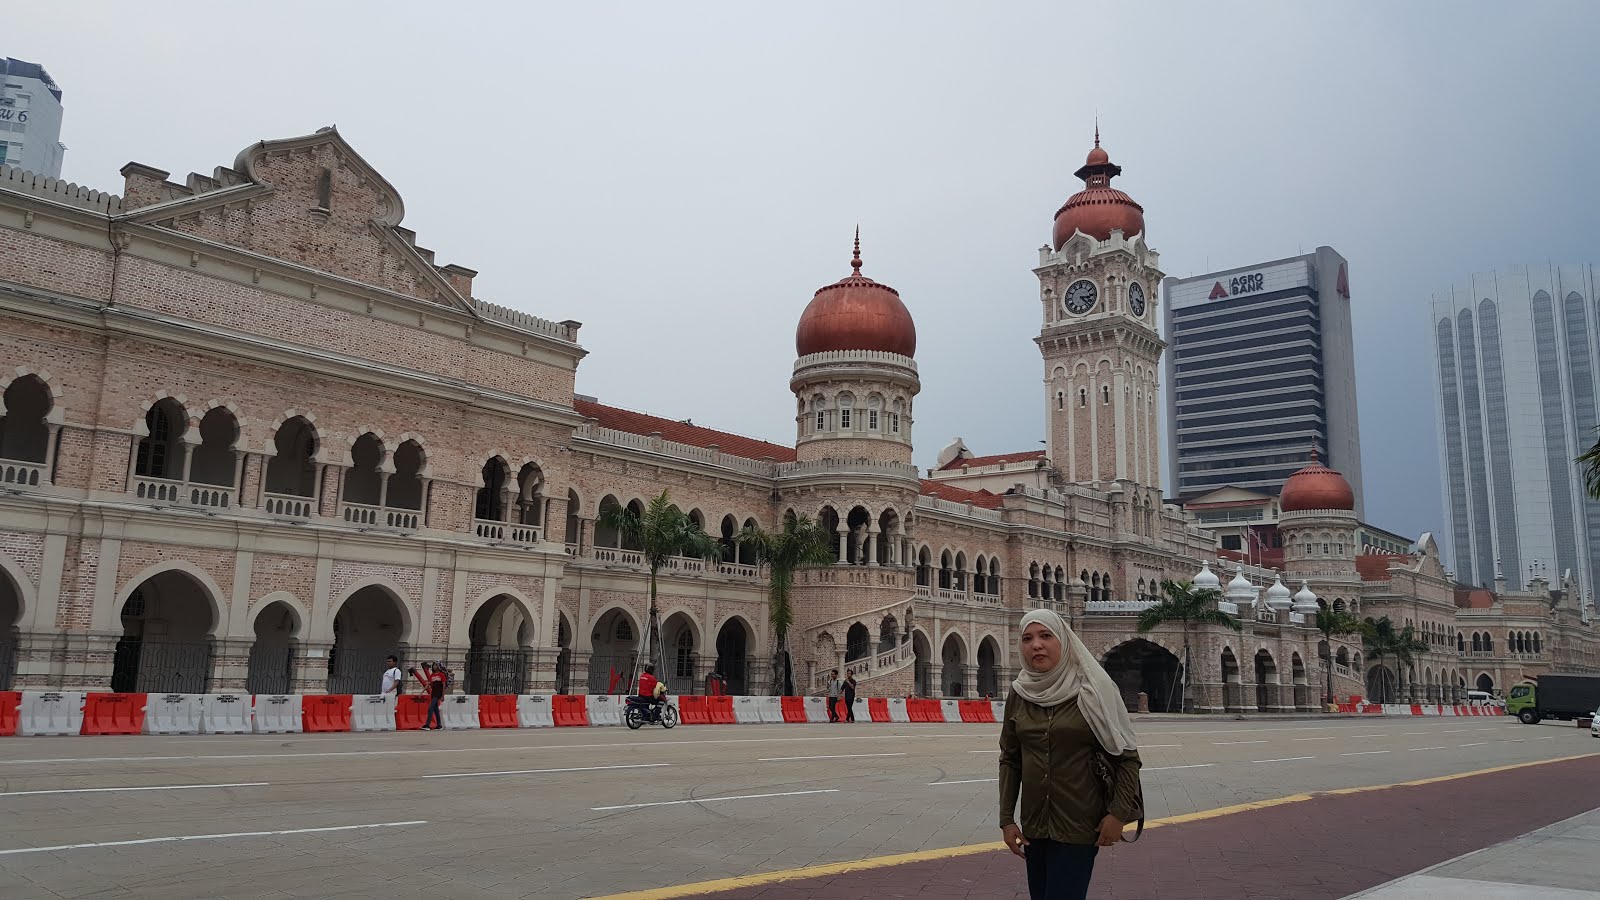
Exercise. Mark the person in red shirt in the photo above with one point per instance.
(651, 690)
(433, 680)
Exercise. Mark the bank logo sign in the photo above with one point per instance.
(1269, 279)
(1238, 284)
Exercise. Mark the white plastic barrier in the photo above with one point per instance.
(951, 710)
(533, 711)
(278, 714)
(771, 710)
(372, 712)
(1396, 709)
(897, 710)
(604, 710)
(459, 712)
(51, 712)
(746, 711)
(863, 714)
(816, 709)
(999, 710)
(225, 714)
(172, 713)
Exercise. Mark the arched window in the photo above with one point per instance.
(961, 571)
(1083, 397)
(1488, 642)
(1060, 584)
(1033, 580)
(1105, 394)
(1538, 643)
(491, 500)
(946, 574)
(363, 481)
(846, 406)
(530, 495)
(405, 485)
(214, 460)
(24, 436)
(160, 453)
(293, 470)
(1461, 643)
(684, 655)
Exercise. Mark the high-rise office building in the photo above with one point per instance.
(30, 118)
(1261, 369)
(1517, 352)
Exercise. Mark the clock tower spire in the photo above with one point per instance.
(1097, 288)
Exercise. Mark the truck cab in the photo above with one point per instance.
(1523, 703)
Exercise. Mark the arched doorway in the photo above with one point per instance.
(369, 626)
(953, 676)
(1302, 685)
(1144, 667)
(1266, 680)
(271, 666)
(888, 634)
(989, 675)
(10, 613)
(1232, 687)
(922, 653)
(857, 643)
(1382, 685)
(1485, 683)
(563, 658)
(497, 638)
(615, 640)
(733, 648)
(166, 645)
(680, 645)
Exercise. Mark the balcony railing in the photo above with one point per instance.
(613, 556)
(506, 532)
(380, 516)
(23, 474)
(1478, 654)
(177, 493)
(739, 570)
(1116, 607)
(288, 506)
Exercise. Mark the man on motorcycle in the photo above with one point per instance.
(652, 693)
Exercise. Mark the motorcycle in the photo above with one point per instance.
(639, 713)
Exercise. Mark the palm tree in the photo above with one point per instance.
(801, 543)
(1383, 640)
(1591, 467)
(1333, 623)
(662, 531)
(1190, 607)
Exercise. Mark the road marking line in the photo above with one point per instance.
(995, 750)
(845, 756)
(969, 781)
(1420, 749)
(1164, 768)
(1226, 743)
(544, 771)
(1474, 744)
(207, 837)
(160, 787)
(1414, 733)
(1159, 746)
(1283, 759)
(879, 862)
(1315, 739)
(713, 799)
(1363, 752)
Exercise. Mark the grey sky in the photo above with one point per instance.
(682, 177)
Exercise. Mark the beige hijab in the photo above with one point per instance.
(1078, 675)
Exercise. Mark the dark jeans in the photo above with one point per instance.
(433, 713)
(1059, 871)
(849, 707)
(833, 709)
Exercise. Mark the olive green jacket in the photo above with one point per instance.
(1046, 756)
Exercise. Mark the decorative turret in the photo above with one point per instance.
(1278, 597)
(1305, 602)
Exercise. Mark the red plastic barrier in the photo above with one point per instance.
(878, 708)
(692, 710)
(1373, 709)
(497, 710)
(410, 711)
(720, 709)
(325, 712)
(10, 712)
(979, 711)
(794, 710)
(1416, 709)
(569, 709)
(113, 714)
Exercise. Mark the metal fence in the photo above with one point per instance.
(8, 660)
(161, 667)
(270, 670)
(495, 671)
(611, 674)
(356, 671)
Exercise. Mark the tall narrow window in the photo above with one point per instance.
(844, 417)
(872, 420)
(1061, 400)
(325, 190)
(1083, 397)
(1105, 393)
(822, 420)
(894, 422)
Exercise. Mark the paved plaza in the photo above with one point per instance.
(595, 812)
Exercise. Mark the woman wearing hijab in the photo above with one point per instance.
(1062, 711)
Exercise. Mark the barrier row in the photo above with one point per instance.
(91, 712)
(1418, 709)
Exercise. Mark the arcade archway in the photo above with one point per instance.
(369, 626)
(271, 666)
(733, 655)
(1142, 667)
(497, 656)
(166, 645)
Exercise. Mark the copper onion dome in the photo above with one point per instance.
(856, 313)
(1316, 487)
(1098, 208)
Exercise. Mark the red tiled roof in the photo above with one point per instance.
(682, 432)
(980, 461)
(960, 495)
(1375, 566)
(1474, 598)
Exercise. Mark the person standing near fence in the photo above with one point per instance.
(432, 679)
(393, 680)
(834, 686)
(850, 696)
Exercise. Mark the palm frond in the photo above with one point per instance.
(1590, 460)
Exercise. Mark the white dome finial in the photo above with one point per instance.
(1205, 579)
(1278, 597)
(1305, 601)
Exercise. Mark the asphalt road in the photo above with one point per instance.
(588, 812)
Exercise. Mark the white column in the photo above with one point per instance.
(844, 544)
(869, 547)
(1119, 411)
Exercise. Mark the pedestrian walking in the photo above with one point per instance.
(834, 686)
(393, 680)
(850, 696)
(433, 680)
(1067, 748)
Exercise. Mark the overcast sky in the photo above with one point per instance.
(682, 177)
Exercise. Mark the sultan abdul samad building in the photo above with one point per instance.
(255, 436)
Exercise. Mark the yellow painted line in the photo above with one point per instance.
(899, 859)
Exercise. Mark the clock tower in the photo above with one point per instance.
(1097, 288)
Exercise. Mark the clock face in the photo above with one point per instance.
(1080, 297)
(1136, 298)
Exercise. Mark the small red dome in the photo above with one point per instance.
(1099, 208)
(856, 313)
(1316, 487)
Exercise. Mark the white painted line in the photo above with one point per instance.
(1226, 743)
(1550, 738)
(713, 799)
(1457, 730)
(844, 756)
(159, 787)
(545, 771)
(1164, 768)
(1315, 739)
(967, 781)
(1413, 733)
(995, 750)
(1474, 744)
(207, 837)
(1283, 759)
(1363, 752)
(1159, 746)
(1420, 749)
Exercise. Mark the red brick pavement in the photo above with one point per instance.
(1327, 847)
